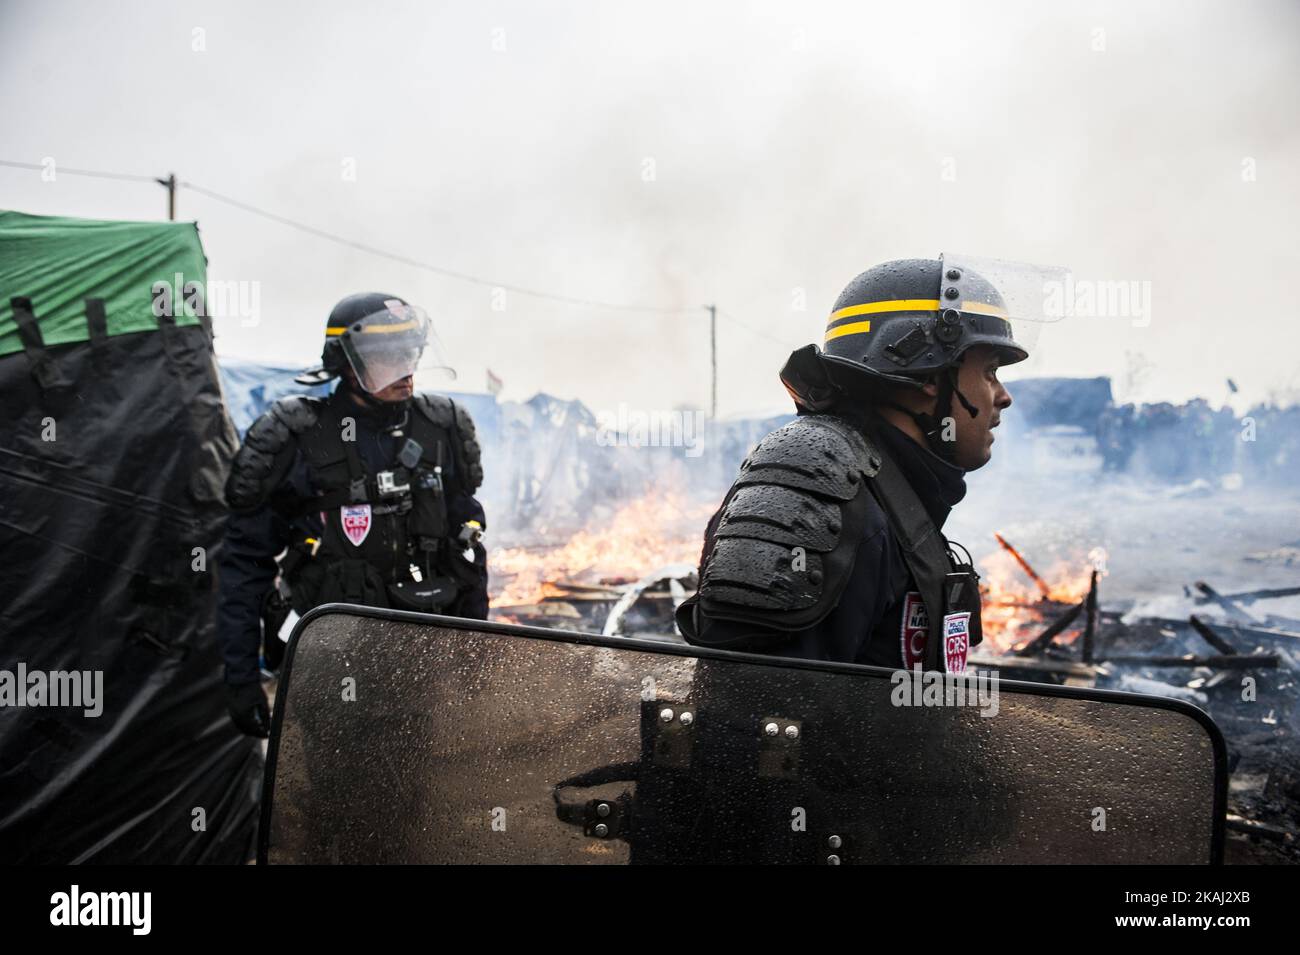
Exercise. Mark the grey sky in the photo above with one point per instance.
(793, 145)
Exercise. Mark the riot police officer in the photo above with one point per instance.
(829, 545)
(367, 495)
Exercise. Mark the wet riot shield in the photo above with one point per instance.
(401, 737)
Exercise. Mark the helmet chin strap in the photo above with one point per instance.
(931, 425)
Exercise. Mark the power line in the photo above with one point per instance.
(416, 263)
(92, 173)
(354, 244)
(752, 330)
(171, 183)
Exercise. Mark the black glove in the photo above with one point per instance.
(247, 705)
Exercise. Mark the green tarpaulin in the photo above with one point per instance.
(59, 262)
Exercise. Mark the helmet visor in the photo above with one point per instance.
(384, 347)
(1008, 302)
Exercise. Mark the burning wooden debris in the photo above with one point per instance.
(597, 579)
(1242, 672)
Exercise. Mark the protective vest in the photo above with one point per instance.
(375, 524)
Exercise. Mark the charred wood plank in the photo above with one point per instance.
(1239, 661)
(1090, 627)
(1250, 596)
(1276, 833)
(1212, 638)
(1069, 668)
(1265, 632)
(1233, 609)
(1040, 642)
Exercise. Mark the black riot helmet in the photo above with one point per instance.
(911, 318)
(380, 336)
(910, 321)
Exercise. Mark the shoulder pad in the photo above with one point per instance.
(437, 408)
(445, 413)
(788, 533)
(473, 453)
(267, 451)
(818, 453)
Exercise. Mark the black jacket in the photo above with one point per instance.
(247, 567)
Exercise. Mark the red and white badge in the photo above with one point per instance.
(956, 641)
(916, 624)
(355, 519)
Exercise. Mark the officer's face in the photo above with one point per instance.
(399, 390)
(977, 378)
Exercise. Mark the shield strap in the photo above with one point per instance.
(924, 550)
(357, 484)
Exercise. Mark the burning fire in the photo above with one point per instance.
(1011, 614)
(664, 527)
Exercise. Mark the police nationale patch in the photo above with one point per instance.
(355, 519)
(956, 641)
(916, 623)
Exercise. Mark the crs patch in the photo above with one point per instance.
(956, 641)
(916, 624)
(355, 519)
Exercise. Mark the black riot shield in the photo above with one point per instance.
(403, 737)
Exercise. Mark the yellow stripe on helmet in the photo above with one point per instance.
(333, 330)
(385, 329)
(854, 328)
(897, 305)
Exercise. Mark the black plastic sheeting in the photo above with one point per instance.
(99, 572)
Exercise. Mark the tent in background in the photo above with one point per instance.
(114, 448)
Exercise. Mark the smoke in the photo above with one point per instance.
(753, 156)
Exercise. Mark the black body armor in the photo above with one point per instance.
(782, 546)
(375, 523)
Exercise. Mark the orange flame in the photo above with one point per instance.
(1008, 614)
(663, 527)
